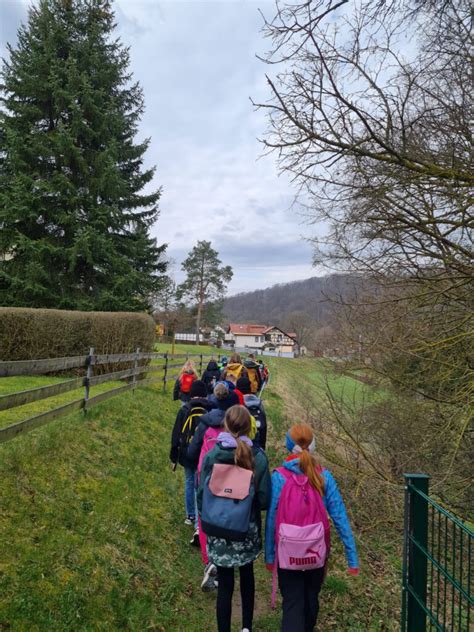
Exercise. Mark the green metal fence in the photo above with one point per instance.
(437, 561)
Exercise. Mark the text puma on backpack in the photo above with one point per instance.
(229, 493)
(302, 530)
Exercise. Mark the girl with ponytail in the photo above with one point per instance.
(235, 447)
(300, 588)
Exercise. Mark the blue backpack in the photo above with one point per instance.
(228, 496)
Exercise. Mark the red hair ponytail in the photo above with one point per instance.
(302, 435)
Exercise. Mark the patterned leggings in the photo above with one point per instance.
(225, 591)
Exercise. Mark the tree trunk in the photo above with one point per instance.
(198, 321)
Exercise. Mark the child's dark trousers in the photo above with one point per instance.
(300, 594)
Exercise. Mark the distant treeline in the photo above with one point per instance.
(316, 297)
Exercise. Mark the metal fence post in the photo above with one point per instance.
(200, 364)
(416, 563)
(135, 367)
(89, 373)
(166, 372)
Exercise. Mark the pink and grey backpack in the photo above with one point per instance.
(302, 530)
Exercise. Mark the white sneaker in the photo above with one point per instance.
(208, 581)
(194, 541)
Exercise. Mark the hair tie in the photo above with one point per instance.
(294, 448)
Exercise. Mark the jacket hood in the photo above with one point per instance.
(250, 364)
(199, 401)
(233, 365)
(252, 400)
(293, 465)
(224, 455)
(214, 418)
(212, 366)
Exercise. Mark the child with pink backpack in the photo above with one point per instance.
(234, 488)
(297, 532)
(204, 439)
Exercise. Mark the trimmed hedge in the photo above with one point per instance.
(27, 334)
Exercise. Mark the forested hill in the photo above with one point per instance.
(274, 304)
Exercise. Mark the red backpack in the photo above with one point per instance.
(185, 382)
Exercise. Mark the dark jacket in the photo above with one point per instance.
(214, 418)
(226, 552)
(257, 409)
(178, 394)
(211, 375)
(179, 453)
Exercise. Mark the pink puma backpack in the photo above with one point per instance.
(302, 530)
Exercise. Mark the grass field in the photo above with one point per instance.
(19, 383)
(165, 347)
(91, 522)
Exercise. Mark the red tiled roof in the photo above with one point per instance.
(245, 329)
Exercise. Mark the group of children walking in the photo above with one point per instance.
(221, 445)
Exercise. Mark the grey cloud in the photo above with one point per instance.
(196, 63)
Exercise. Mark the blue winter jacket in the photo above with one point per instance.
(334, 506)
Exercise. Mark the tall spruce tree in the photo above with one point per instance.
(74, 219)
(205, 283)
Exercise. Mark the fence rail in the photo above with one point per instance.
(437, 563)
(137, 373)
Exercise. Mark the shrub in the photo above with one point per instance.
(27, 334)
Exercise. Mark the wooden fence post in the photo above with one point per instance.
(135, 367)
(90, 371)
(166, 372)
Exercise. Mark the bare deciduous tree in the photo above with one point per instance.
(378, 141)
(370, 112)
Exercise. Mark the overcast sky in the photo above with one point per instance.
(196, 63)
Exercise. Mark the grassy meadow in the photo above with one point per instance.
(166, 347)
(91, 520)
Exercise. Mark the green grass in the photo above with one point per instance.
(92, 534)
(165, 347)
(19, 383)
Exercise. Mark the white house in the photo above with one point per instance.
(259, 337)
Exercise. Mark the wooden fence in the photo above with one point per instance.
(136, 374)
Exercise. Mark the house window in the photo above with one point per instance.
(280, 337)
(256, 338)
